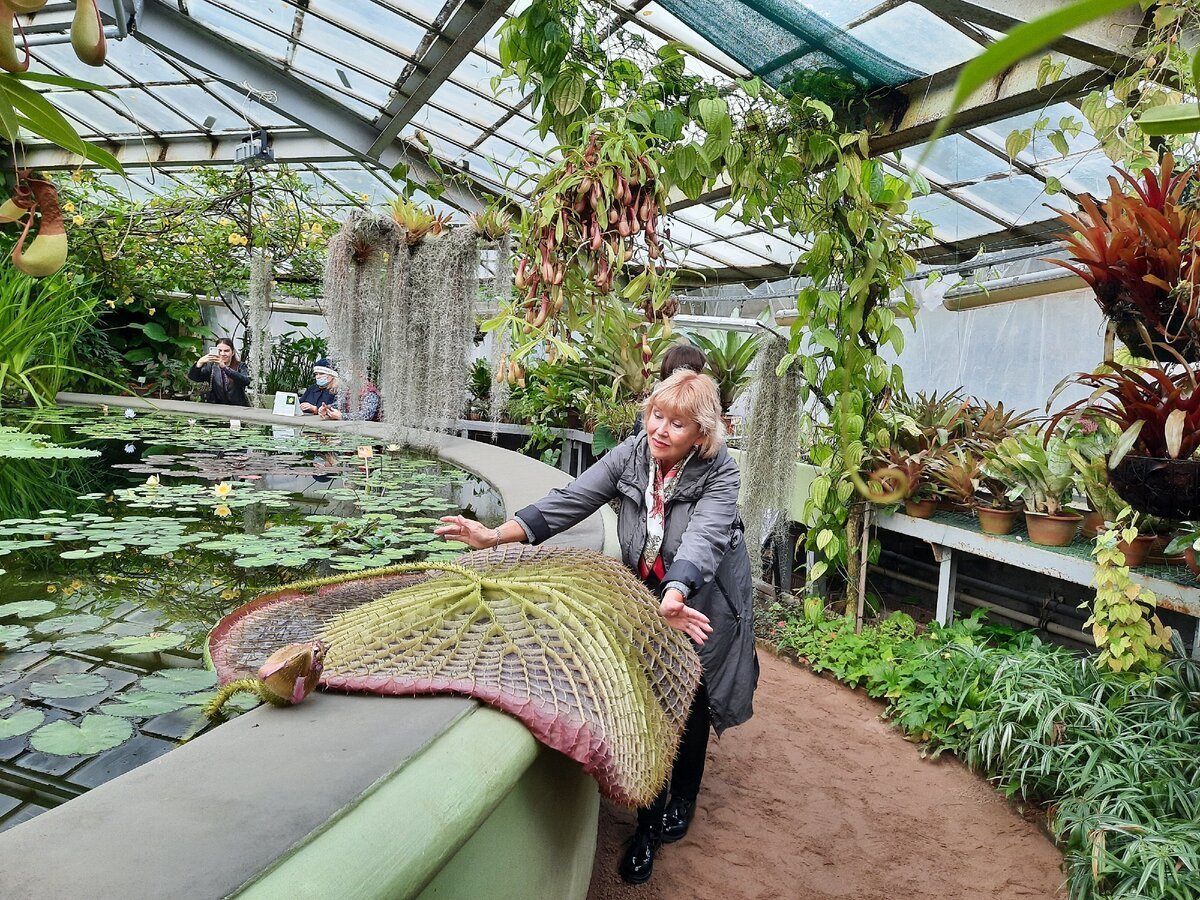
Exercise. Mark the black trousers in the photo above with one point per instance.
(688, 770)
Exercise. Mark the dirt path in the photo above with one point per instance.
(815, 798)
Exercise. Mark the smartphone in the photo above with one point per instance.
(212, 351)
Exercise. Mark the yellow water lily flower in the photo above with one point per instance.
(222, 511)
(52, 589)
(224, 489)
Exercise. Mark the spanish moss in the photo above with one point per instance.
(258, 321)
(770, 438)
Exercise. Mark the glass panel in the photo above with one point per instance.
(370, 19)
(911, 35)
(951, 221)
(258, 113)
(954, 159)
(1020, 198)
(98, 115)
(366, 88)
(246, 33)
(142, 104)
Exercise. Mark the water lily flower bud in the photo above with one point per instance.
(292, 672)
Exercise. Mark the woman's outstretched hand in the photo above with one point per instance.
(473, 534)
(684, 618)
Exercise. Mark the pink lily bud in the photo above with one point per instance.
(292, 672)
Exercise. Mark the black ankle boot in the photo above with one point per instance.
(637, 865)
(676, 819)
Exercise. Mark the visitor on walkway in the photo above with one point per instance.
(679, 530)
(323, 391)
(227, 378)
(682, 355)
(370, 407)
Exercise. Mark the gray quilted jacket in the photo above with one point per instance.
(704, 547)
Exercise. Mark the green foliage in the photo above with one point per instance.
(1115, 757)
(1128, 639)
(151, 259)
(292, 356)
(730, 356)
(23, 108)
(92, 735)
(40, 321)
(1033, 468)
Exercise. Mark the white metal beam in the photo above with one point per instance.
(174, 35)
(451, 44)
(1107, 42)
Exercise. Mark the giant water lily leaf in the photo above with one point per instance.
(568, 641)
(25, 609)
(21, 722)
(94, 734)
(66, 686)
(13, 636)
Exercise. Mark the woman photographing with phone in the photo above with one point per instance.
(226, 376)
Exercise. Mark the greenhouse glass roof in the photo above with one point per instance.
(344, 86)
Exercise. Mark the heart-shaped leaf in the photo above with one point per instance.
(79, 684)
(21, 722)
(93, 735)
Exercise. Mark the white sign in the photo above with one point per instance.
(286, 404)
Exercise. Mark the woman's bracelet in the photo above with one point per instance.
(496, 543)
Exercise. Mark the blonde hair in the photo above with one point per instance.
(686, 395)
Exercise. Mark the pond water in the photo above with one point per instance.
(124, 540)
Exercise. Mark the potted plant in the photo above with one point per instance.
(957, 471)
(1135, 251)
(479, 384)
(1036, 470)
(902, 475)
(1152, 464)
(730, 357)
(1187, 542)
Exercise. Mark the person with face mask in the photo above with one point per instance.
(324, 391)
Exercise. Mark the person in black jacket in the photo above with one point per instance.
(324, 391)
(226, 376)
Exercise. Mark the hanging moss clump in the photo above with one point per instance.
(355, 272)
(771, 439)
(258, 321)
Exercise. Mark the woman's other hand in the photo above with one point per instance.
(307, 407)
(328, 412)
(474, 534)
(684, 618)
(206, 359)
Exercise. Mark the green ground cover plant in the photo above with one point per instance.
(1112, 757)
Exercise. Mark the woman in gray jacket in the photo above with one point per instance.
(679, 530)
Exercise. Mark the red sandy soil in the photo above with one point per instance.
(817, 798)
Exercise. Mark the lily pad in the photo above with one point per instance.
(80, 643)
(88, 553)
(12, 636)
(20, 722)
(179, 681)
(141, 704)
(24, 609)
(151, 643)
(70, 624)
(94, 734)
(65, 686)
(6, 701)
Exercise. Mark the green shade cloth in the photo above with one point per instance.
(776, 38)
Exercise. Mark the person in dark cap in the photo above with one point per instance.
(324, 390)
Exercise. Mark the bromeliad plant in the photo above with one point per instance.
(1137, 251)
(1157, 412)
(730, 357)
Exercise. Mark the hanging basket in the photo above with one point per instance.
(1168, 488)
(1131, 336)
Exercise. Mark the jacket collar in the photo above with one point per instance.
(636, 476)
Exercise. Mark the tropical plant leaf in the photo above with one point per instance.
(20, 722)
(79, 684)
(568, 641)
(94, 734)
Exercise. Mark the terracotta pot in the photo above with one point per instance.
(921, 509)
(1092, 523)
(1051, 531)
(995, 521)
(1189, 556)
(1137, 552)
(1157, 557)
(1168, 488)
